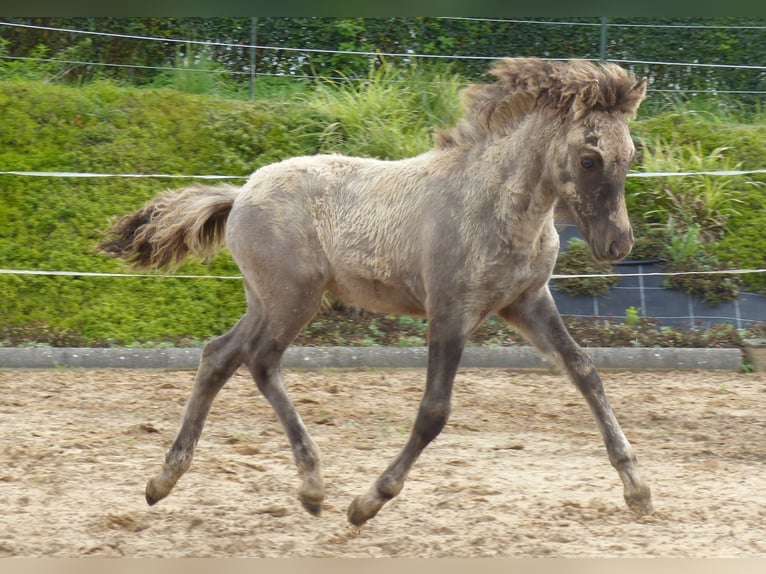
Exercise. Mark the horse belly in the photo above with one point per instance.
(377, 296)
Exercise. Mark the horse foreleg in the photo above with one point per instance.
(443, 360)
(584, 375)
(539, 320)
(220, 359)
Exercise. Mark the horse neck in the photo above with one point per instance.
(520, 169)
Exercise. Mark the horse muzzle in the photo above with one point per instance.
(613, 245)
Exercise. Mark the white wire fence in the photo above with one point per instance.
(78, 273)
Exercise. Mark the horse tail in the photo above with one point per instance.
(175, 224)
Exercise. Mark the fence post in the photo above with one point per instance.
(602, 48)
(253, 37)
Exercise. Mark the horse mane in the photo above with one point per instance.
(525, 84)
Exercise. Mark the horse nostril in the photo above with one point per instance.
(616, 251)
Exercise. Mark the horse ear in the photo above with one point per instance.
(634, 97)
(586, 99)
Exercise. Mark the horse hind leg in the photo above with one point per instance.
(221, 357)
(264, 365)
(286, 317)
(250, 342)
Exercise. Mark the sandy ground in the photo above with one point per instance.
(519, 471)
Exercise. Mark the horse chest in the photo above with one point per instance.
(497, 277)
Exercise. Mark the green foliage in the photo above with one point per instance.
(729, 210)
(651, 240)
(54, 223)
(715, 289)
(646, 333)
(745, 246)
(686, 245)
(683, 250)
(196, 72)
(280, 89)
(707, 201)
(632, 315)
(577, 260)
(733, 42)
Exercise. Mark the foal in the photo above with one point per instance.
(460, 232)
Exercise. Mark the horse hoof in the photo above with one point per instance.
(151, 493)
(641, 502)
(642, 507)
(354, 514)
(357, 514)
(313, 508)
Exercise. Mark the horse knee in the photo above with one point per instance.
(586, 379)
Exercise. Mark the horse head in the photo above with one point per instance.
(594, 160)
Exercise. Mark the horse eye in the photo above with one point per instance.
(588, 162)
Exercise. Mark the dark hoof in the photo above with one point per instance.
(151, 501)
(355, 514)
(640, 502)
(313, 509)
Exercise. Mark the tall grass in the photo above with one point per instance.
(196, 72)
(706, 202)
(726, 212)
(707, 108)
(389, 115)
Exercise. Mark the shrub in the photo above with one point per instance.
(745, 244)
(706, 201)
(731, 210)
(54, 223)
(651, 241)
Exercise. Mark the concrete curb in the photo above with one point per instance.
(638, 358)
